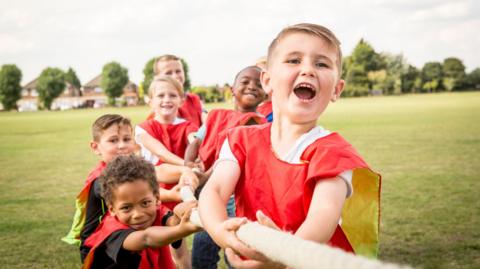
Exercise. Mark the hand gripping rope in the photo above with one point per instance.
(293, 251)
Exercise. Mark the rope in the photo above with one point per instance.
(294, 251)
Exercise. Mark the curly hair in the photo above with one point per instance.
(125, 169)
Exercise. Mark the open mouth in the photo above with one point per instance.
(305, 91)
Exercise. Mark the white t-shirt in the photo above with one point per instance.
(293, 156)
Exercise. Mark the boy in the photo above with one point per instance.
(291, 173)
(138, 229)
(248, 93)
(112, 137)
(167, 131)
(191, 109)
(265, 108)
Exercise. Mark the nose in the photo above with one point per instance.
(137, 213)
(252, 85)
(307, 68)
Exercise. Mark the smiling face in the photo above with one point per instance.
(114, 141)
(134, 204)
(165, 101)
(171, 68)
(303, 77)
(247, 89)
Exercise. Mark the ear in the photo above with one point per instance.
(338, 90)
(265, 80)
(94, 147)
(111, 209)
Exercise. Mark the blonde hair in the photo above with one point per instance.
(311, 29)
(167, 79)
(163, 58)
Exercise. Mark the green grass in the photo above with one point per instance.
(427, 148)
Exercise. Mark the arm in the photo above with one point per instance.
(170, 173)
(191, 152)
(159, 149)
(325, 208)
(158, 236)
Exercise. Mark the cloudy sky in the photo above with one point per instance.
(218, 38)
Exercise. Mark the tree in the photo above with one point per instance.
(357, 83)
(396, 66)
(409, 78)
(187, 84)
(473, 79)
(51, 83)
(432, 76)
(72, 79)
(455, 77)
(10, 89)
(114, 79)
(365, 56)
(148, 74)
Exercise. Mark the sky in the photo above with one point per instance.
(218, 38)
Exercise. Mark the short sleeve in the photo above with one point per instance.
(115, 251)
(226, 153)
(347, 177)
(97, 189)
(202, 131)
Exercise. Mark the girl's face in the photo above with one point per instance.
(172, 69)
(165, 101)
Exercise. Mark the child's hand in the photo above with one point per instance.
(183, 207)
(188, 178)
(255, 258)
(185, 222)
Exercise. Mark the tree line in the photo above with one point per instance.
(365, 71)
(368, 72)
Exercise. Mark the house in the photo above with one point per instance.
(29, 97)
(70, 98)
(94, 96)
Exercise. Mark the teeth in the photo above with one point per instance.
(304, 85)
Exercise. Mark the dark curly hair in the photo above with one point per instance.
(126, 169)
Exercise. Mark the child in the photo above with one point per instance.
(292, 174)
(265, 108)
(112, 137)
(138, 229)
(248, 93)
(191, 109)
(166, 130)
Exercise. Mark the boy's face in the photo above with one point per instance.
(116, 140)
(303, 77)
(172, 69)
(247, 89)
(134, 204)
(165, 100)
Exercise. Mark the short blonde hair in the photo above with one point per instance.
(311, 29)
(163, 58)
(167, 79)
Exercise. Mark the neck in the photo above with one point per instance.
(165, 119)
(284, 133)
(245, 109)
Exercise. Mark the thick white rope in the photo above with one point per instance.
(293, 251)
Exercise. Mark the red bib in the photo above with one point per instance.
(151, 258)
(283, 191)
(218, 122)
(191, 110)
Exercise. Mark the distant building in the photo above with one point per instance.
(29, 97)
(94, 96)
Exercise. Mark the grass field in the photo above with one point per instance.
(427, 148)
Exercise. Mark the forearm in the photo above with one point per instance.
(191, 152)
(159, 150)
(169, 173)
(212, 212)
(154, 236)
(169, 195)
(320, 226)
